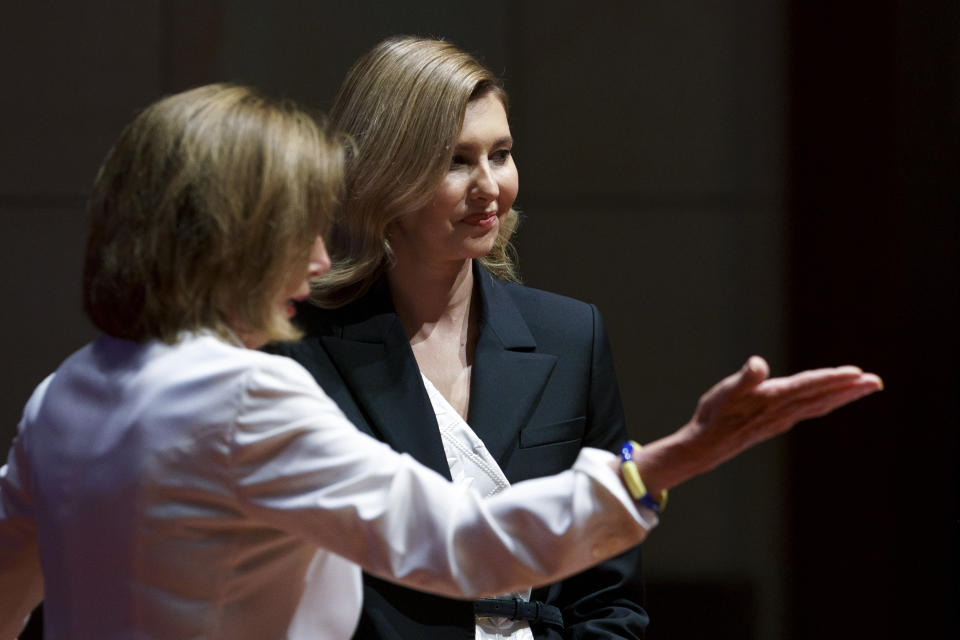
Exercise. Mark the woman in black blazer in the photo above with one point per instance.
(425, 340)
(540, 390)
(423, 289)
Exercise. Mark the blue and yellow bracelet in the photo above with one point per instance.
(631, 478)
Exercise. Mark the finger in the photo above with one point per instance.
(813, 406)
(873, 380)
(868, 381)
(783, 398)
(813, 379)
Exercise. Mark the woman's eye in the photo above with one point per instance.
(500, 157)
(457, 161)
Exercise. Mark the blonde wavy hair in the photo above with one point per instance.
(403, 104)
(205, 208)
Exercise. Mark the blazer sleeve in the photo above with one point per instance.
(299, 465)
(604, 601)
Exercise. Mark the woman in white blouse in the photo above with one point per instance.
(168, 481)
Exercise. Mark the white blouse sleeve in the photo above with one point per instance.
(21, 580)
(298, 464)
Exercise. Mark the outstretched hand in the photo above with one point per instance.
(746, 408)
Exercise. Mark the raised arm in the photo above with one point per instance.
(303, 467)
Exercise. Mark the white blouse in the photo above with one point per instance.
(472, 465)
(205, 490)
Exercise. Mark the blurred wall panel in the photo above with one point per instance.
(873, 276)
(650, 143)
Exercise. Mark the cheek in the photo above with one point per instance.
(447, 201)
(423, 226)
(451, 192)
(509, 186)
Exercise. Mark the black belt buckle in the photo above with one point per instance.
(517, 609)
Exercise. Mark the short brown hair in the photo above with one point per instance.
(403, 104)
(204, 208)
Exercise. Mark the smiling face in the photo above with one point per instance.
(463, 219)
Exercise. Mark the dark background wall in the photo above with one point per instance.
(720, 179)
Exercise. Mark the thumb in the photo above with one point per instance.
(751, 374)
(754, 371)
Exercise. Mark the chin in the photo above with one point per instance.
(481, 247)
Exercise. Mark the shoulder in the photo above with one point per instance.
(32, 409)
(530, 296)
(38, 400)
(547, 311)
(261, 371)
(200, 367)
(239, 388)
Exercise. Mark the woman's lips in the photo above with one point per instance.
(291, 305)
(482, 219)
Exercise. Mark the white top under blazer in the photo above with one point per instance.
(472, 465)
(204, 490)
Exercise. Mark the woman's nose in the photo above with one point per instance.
(319, 259)
(485, 186)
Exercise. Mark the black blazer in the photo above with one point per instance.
(542, 387)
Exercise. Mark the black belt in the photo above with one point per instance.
(517, 609)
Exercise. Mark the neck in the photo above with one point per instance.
(427, 296)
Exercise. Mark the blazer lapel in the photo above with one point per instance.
(374, 358)
(508, 374)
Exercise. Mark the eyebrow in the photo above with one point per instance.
(499, 142)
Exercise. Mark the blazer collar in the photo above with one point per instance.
(370, 349)
(508, 375)
(499, 313)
